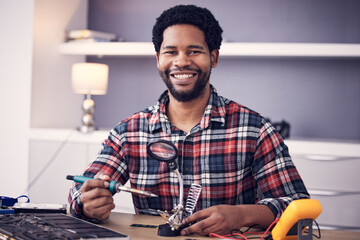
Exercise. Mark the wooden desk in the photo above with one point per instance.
(121, 222)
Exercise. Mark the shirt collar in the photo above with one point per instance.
(214, 112)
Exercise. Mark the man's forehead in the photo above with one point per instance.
(184, 35)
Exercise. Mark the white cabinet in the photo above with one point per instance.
(55, 153)
(48, 169)
(330, 171)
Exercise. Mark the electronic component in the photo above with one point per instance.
(27, 226)
(39, 208)
(143, 225)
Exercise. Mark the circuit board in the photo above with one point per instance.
(29, 226)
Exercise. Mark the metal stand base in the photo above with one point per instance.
(165, 230)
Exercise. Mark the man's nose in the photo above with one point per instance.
(182, 60)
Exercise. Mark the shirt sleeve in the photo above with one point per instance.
(109, 161)
(277, 177)
(74, 201)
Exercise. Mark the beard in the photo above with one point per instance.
(195, 92)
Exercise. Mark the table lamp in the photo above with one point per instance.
(89, 79)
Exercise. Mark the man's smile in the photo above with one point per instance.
(182, 76)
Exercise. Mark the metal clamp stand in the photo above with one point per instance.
(166, 151)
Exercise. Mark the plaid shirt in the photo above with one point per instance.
(233, 152)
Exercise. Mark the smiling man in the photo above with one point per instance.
(235, 154)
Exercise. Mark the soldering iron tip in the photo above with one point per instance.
(153, 195)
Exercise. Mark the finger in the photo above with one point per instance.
(102, 176)
(198, 227)
(97, 203)
(215, 228)
(197, 216)
(94, 193)
(101, 212)
(91, 184)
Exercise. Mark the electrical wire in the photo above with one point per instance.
(49, 162)
(319, 231)
(237, 234)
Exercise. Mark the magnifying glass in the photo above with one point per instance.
(164, 151)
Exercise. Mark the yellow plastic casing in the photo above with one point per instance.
(297, 210)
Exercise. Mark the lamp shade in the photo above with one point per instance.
(90, 78)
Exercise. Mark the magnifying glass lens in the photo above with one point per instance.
(163, 150)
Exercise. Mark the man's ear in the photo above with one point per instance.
(214, 58)
(157, 59)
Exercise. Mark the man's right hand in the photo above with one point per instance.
(96, 198)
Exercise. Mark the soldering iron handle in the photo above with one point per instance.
(113, 187)
(82, 179)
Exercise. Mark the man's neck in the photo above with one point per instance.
(185, 115)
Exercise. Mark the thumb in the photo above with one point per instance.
(102, 176)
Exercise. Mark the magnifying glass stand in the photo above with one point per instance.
(173, 227)
(165, 230)
(166, 151)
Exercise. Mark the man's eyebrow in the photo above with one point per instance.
(190, 46)
(169, 47)
(196, 46)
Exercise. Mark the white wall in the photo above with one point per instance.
(16, 24)
(35, 85)
(53, 102)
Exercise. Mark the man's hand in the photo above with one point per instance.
(221, 219)
(96, 198)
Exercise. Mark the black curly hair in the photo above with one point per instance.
(188, 14)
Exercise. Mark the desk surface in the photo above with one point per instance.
(121, 222)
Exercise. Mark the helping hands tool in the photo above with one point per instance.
(114, 186)
(166, 151)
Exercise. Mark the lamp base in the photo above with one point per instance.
(87, 119)
(86, 129)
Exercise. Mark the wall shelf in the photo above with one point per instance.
(228, 49)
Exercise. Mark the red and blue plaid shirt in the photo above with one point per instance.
(234, 153)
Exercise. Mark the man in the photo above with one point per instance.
(242, 163)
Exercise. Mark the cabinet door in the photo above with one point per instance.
(50, 162)
(340, 209)
(328, 172)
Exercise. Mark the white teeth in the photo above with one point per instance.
(183, 76)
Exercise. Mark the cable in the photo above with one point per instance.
(49, 162)
(318, 228)
(319, 231)
(236, 233)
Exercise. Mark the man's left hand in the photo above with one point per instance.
(221, 219)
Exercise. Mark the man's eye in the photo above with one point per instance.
(170, 52)
(194, 52)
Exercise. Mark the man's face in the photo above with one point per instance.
(184, 61)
